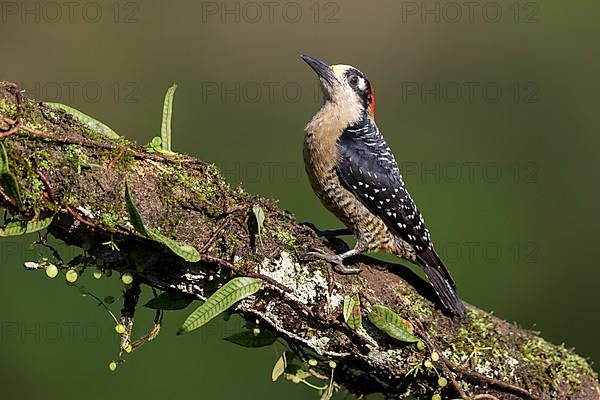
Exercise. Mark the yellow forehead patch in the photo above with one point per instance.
(340, 69)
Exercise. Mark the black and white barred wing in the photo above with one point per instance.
(368, 169)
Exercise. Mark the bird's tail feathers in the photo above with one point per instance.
(442, 282)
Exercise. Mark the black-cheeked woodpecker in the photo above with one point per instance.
(355, 175)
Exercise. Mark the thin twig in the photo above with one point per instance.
(130, 300)
(43, 241)
(47, 185)
(98, 228)
(101, 303)
(7, 198)
(114, 160)
(476, 377)
(444, 362)
(15, 128)
(214, 236)
(91, 225)
(226, 264)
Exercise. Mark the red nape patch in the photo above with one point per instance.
(372, 105)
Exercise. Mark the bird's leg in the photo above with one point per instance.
(336, 260)
(329, 232)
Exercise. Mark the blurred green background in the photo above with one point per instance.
(492, 112)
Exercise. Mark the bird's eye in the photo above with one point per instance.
(353, 80)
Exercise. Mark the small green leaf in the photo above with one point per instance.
(183, 250)
(352, 312)
(169, 301)
(165, 132)
(13, 229)
(259, 214)
(8, 181)
(22, 227)
(155, 146)
(391, 323)
(3, 160)
(134, 215)
(34, 226)
(90, 122)
(227, 295)
(249, 339)
(279, 367)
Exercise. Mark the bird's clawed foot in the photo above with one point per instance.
(336, 260)
(330, 233)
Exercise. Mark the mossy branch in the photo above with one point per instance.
(65, 170)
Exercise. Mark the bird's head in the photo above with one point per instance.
(344, 85)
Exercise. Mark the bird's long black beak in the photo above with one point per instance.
(322, 69)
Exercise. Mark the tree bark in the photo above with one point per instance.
(78, 176)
